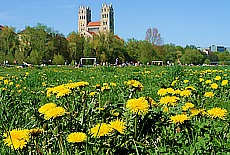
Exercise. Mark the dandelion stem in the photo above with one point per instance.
(135, 128)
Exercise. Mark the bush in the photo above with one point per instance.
(58, 59)
(207, 61)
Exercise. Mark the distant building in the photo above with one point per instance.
(204, 49)
(88, 28)
(215, 48)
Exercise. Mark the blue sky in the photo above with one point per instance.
(182, 22)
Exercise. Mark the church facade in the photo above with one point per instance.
(86, 27)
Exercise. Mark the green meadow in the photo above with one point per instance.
(114, 110)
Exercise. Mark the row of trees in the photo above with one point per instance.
(41, 44)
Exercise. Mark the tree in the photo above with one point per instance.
(75, 45)
(132, 48)
(153, 36)
(146, 52)
(213, 56)
(34, 45)
(223, 56)
(170, 53)
(58, 59)
(192, 57)
(207, 61)
(24, 46)
(60, 44)
(8, 41)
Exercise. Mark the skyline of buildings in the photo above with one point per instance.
(87, 27)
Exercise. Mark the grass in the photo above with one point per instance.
(23, 91)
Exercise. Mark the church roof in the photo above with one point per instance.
(93, 24)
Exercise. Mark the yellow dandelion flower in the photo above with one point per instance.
(138, 106)
(101, 129)
(17, 138)
(162, 92)
(187, 106)
(208, 94)
(208, 81)
(177, 91)
(169, 100)
(54, 112)
(195, 112)
(217, 113)
(113, 84)
(105, 88)
(118, 125)
(46, 107)
(11, 83)
(63, 92)
(201, 79)
(92, 94)
(6, 81)
(179, 118)
(224, 82)
(170, 90)
(185, 93)
(134, 84)
(186, 81)
(214, 86)
(217, 78)
(82, 83)
(76, 137)
(70, 85)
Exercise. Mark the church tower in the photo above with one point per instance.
(107, 18)
(84, 17)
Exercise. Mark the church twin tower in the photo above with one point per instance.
(87, 27)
